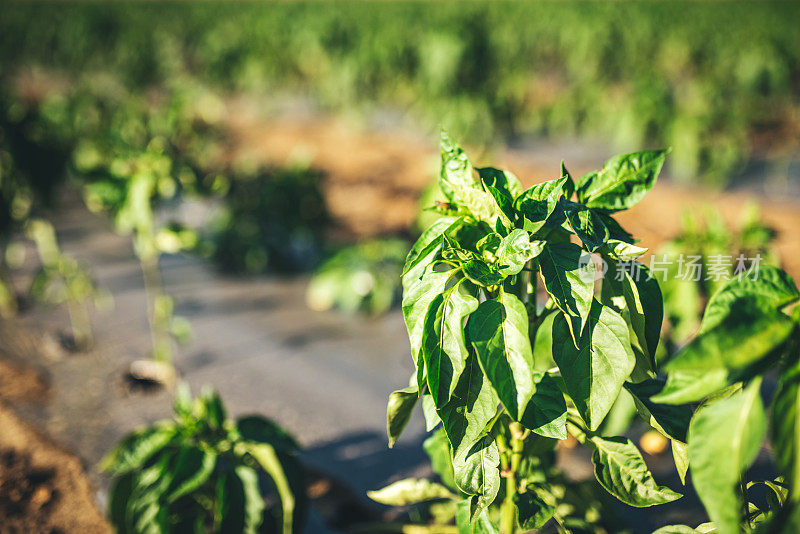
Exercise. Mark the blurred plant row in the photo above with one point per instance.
(141, 159)
(712, 83)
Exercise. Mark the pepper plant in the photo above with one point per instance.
(750, 333)
(507, 374)
(202, 472)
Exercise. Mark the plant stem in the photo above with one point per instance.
(81, 323)
(8, 300)
(508, 512)
(162, 343)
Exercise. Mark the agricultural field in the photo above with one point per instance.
(400, 267)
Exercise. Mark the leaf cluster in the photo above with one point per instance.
(202, 472)
(501, 370)
(749, 331)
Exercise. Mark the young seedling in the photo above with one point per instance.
(705, 249)
(62, 280)
(202, 472)
(506, 375)
(132, 184)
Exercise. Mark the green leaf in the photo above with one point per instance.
(398, 411)
(427, 247)
(498, 331)
(638, 300)
(476, 470)
(532, 511)
(192, 469)
(690, 386)
(253, 501)
(675, 529)
(620, 250)
(503, 186)
(650, 310)
(680, 455)
(119, 495)
(471, 407)
(469, 521)
(429, 411)
(214, 410)
(617, 232)
(182, 405)
(515, 251)
(269, 461)
(417, 297)
(478, 272)
(622, 182)
(501, 180)
(586, 224)
(410, 491)
(771, 289)
(724, 438)
(261, 430)
(569, 279)
(437, 447)
(536, 204)
(239, 502)
(785, 521)
(482, 205)
(670, 420)
(456, 171)
(785, 430)
(546, 413)
(594, 373)
(620, 469)
(740, 340)
(138, 447)
(444, 347)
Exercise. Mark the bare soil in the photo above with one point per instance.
(374, 177)
(42, 487)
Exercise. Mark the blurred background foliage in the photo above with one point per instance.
(719, 85)
(127, 101)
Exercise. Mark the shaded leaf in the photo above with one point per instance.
(785, 428)
(546, 413)
(670, 420)
(594, 373)
(138, 447)
(398, 411)
(444, 347)
(569, 279)
(269, 461)
(192, 469)
(437, 447)
(771, 289)
(260, 429)
(532, 511)
(620, 469)
(515, 251)
(471, 407)
(586, 224)
(536, 204)
(498, 331)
